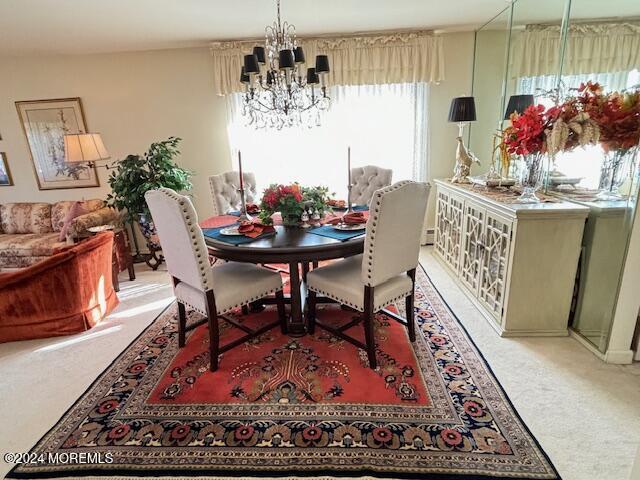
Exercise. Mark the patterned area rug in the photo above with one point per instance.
(281, 406)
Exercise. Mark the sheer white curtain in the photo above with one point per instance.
(385, 125)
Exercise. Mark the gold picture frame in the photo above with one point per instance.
(5, 173)
(44, 124)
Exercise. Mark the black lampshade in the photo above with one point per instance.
(251, 64)
(322, 64)
(298, 55)
(312, 77)
(269, 77)
(517, 103)
(244, 78)
(463, 109)
(286, 59)
(259, 53)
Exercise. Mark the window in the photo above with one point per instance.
(385, 125)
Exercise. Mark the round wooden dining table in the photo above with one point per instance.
(294, 246)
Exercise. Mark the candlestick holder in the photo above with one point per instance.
(349, 206)
(244, 216)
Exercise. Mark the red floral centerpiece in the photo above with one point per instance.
(617, 116)
(526, 137)
(286, 199)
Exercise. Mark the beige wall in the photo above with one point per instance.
(136, 98)
(133, 99)
(458, 50)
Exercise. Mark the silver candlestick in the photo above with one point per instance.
(349, 207)
(244, 216)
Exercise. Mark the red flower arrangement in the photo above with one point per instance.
(286, 199)
(616, 114)
(526, 135)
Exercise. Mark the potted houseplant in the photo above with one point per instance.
(137, 174)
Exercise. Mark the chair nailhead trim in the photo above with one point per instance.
(371, 233)
(342, 301)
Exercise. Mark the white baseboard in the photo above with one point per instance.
(428, 237)
(619, 357)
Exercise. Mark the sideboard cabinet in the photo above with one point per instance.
(517, 262)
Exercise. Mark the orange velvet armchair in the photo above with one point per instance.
(67, 293)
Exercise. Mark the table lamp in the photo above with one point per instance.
(462, 111)
(517, 103)
(84, 148)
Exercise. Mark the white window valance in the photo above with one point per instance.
(357, 60)
(591, 48)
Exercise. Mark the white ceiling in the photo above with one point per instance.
(90, 26)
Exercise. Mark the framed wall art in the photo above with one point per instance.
(45, 122)
(5, 173)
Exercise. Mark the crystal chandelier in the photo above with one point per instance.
(285, 95)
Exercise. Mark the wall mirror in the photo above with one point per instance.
(549, 48)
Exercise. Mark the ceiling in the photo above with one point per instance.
(90, 26)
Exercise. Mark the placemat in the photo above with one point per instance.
(329, 231)
(215, 234)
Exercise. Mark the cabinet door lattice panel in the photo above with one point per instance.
(506, 255)
(472, 246)
(493, 268)
(452, 252)
(442, 223)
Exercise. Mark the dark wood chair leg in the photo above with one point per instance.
(311, 312)
(214, 334)
(114, 278)
(245, 309)
(368, 327)
(282, 316)
(132, 271)
(409, 306)
(182, 324)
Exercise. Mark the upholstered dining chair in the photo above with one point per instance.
(224, 189)
(384, 273)
(211, 291)
(367, 180)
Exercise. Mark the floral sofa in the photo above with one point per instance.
(29, 232)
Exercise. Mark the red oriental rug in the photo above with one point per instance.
(289, 407)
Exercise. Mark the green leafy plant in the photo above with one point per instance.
(136, 175)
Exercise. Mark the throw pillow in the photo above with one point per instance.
(76, 210)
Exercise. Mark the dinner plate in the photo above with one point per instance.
(229, 231)
(349, 228)
(100, 228)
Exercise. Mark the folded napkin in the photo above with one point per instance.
(353, 218)
(254, 229)
(252, 208)
(337, 203)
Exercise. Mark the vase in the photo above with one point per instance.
(290, 220)
(531, 176)
(615, 170)
(148, 229)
